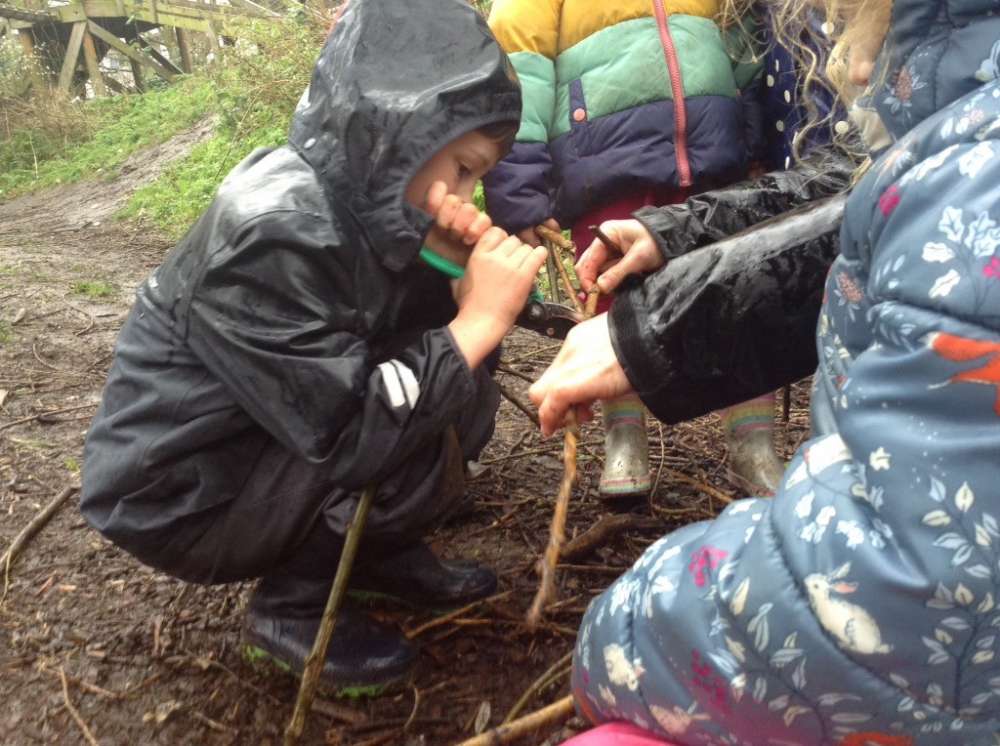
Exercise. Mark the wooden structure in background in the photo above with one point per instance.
(54, 36)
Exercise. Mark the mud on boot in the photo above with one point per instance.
(364, 658)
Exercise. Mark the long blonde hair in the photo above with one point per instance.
(847, 23)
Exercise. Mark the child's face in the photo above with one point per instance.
(459, 164)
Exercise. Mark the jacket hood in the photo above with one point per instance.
(394, 83)
(936, 51)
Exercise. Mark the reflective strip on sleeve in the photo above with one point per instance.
(400, 383)
(410, 385)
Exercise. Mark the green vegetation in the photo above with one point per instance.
(251, 89)
(257, 657)
(94, 289)
(72, 465)
(54, 141)
(6, 333)
(255, 89)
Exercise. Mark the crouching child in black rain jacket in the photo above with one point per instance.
(293, 348)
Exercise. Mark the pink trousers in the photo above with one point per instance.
(620, 209)
(616, 734)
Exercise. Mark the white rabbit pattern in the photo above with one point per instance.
(854, 628)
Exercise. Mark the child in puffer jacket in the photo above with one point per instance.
(629, 104)
(860, 605)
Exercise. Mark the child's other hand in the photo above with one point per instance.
(454, 218)
(607, 267)
(497, 281)
(530, 235)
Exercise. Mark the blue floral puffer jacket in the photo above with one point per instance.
(862, 604)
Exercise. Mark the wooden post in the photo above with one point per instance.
(72, 55)
(93, 66)
(184, 46)
(137, 78)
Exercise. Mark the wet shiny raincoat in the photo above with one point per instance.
(291, 349)
(860, 605)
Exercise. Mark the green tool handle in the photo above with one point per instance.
(441, 264)
(449, 268)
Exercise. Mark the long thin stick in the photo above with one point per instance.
(74, 712)
(557, 530)
(314, 663)
(452, 615)
(513, 399)
(38, 416)
(706, 488)
(556, 713)
(28, 532)
(540, 683)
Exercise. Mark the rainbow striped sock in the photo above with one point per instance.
(756, 414)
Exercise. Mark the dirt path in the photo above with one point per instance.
(152, 660)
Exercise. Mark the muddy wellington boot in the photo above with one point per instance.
(626, 474)
(415, 575)
(749, 429)
(280, 627)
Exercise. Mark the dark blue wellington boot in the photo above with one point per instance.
(364, 657)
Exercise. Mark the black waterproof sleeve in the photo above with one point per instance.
(287, 351)
(711, 216)
(731, 321)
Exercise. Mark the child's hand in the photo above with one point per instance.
(604, 266)
(497, 281)
(454, 219)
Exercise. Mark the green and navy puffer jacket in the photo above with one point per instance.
(618, 97)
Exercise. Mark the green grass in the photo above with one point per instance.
(6, 332)
(94, 289)
(255, 96)
(182, 192)
(30, 159)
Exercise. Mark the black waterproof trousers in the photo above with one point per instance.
(290, 515)
(240, 505)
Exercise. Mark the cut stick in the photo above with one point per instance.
(555, 237)
(555, 714)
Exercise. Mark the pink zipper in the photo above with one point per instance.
(677, 86)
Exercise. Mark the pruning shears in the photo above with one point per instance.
(548, 319)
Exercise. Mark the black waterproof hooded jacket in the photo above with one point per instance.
(270, 320)
(733, 314)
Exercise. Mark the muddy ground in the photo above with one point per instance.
(149, 659)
